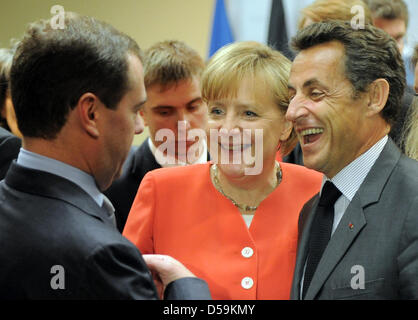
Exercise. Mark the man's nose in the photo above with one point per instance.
(296, 109)
(183, 120)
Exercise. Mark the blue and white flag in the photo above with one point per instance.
(221, 30)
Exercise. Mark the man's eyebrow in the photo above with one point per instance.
(161, 107)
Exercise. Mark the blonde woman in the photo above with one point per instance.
(233, 223)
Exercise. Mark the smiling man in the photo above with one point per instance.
(345, 90)
(77, 92)
(173, 109)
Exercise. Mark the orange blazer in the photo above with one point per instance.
(178, 212)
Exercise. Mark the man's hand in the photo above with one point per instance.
(167, 268)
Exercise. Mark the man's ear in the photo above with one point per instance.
(378, 96)
(88, 114)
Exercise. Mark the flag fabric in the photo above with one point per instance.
(221, 30)
(277, 36)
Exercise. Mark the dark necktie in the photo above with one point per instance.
(321, 231)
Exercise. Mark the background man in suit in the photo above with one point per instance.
(391, 16)
(345, 88)
(77, 92)
(9, 149)
(172, 79)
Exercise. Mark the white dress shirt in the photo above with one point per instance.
(349, 179)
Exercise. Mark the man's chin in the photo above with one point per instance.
(106, 183)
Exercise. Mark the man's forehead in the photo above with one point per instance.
(320, 60)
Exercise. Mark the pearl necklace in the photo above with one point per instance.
(244, 207)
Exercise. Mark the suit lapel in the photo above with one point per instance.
(337, 246)
(368, 193)
(305, 223)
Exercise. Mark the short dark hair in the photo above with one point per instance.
(52, 68)
(370, 54)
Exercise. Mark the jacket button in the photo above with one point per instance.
(247, 252)
(247, 283)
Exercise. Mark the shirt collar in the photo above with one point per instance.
(85, 181)
(172, 162)
(350, 178)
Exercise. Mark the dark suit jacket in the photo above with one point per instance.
(9, 149)
(48, 221)
(123, 190)
(382, 243)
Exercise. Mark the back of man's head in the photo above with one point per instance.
(169, 62)
(53, 68)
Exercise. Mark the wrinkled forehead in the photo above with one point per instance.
(321, 61)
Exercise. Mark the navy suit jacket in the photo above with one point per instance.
(9, 149)
(48, 222)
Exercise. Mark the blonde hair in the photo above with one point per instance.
(240, 60)
(325, 10)
(410, 139)
(169, 62)
(410, 132)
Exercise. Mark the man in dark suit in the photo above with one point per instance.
(77, 92)
(358, 239)
(174, 108)
(9, 149)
